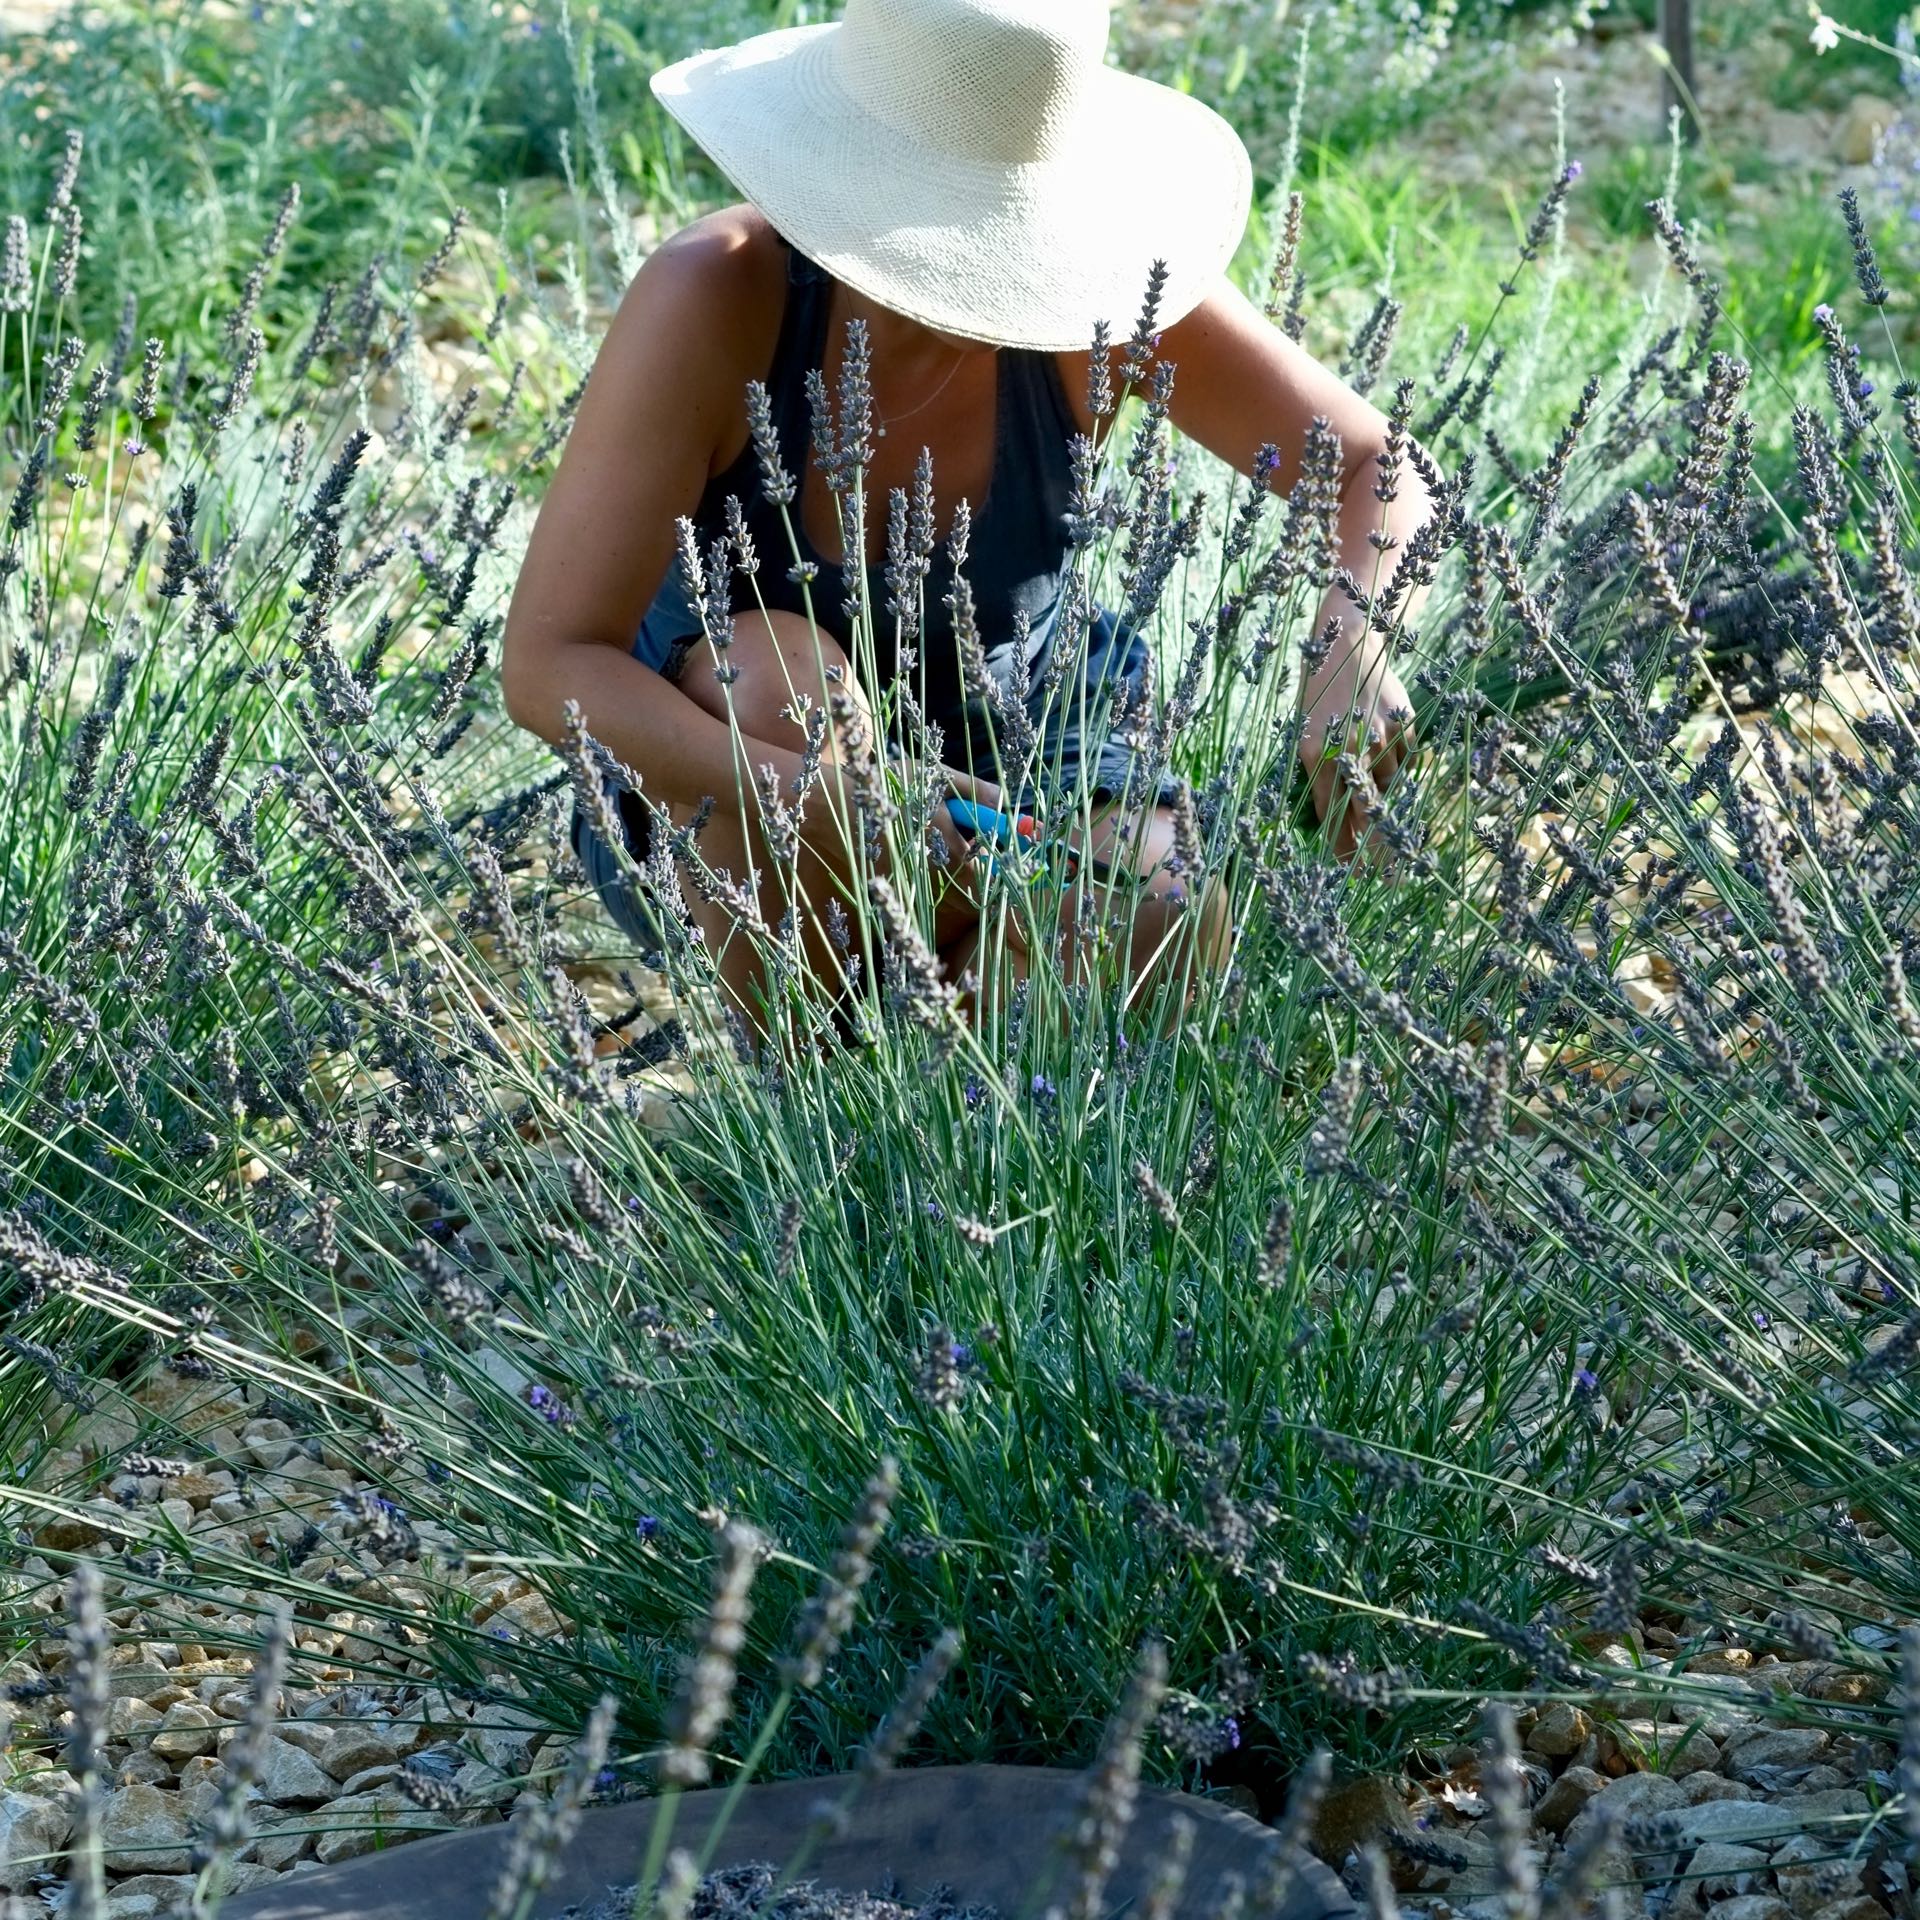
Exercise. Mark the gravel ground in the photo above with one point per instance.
(331, 1788)
(1752, 1820)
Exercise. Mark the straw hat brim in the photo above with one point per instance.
(1020, 255)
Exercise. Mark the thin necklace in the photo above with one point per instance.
(894, 419)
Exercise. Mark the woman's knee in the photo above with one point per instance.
(781, 666)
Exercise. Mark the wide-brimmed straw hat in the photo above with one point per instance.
(974, 164)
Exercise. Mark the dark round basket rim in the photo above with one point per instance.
(989, 1832)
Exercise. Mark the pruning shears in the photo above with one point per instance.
(1010, 837)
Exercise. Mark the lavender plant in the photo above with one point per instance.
(1509, 1243)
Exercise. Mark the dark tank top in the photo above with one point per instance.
(1018, 550)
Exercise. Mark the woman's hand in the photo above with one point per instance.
(1349, 706)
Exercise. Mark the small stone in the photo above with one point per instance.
(1361, 1810)
(32, 1826)
(1810, 1877)
(1565, 1798)
(1858, 127)
(359, 1822)
(1665, 1750)
(1861, 1906)
(1722, 1660)
(144, 1830)
(288, 1777)
(1560, 1730)
(1782, 1747)
(130, 1720)
(1751, 1906)
(186, 1729)
(1848, 1687)
(1723, 1870)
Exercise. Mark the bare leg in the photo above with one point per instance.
(785, 670)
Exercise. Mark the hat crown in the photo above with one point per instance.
(988, 80)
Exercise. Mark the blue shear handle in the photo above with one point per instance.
(999, 830)
(973, 820)
(1002, 831)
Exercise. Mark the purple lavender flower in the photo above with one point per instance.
(647, 1526)
(1584, 1381)
(1230, 1732)
(549, 1406)
(1823, 313)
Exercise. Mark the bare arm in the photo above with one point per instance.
(664, 389)
(1240, 383)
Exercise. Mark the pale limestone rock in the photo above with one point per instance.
(186, 1730)
(1562, 1802)
(129, 1720)
(288, 1777)
(144, 1830)
(1778, 1747)
(32, 1826)
(354, 1824)
(1560, 1730)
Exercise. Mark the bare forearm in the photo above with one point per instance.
(682, 752)
(1358, 652)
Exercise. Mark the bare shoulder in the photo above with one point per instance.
(1222, 306)
(702, 299)
(727, 249)
(698, 321)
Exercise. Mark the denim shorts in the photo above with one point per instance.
(1117, 658)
